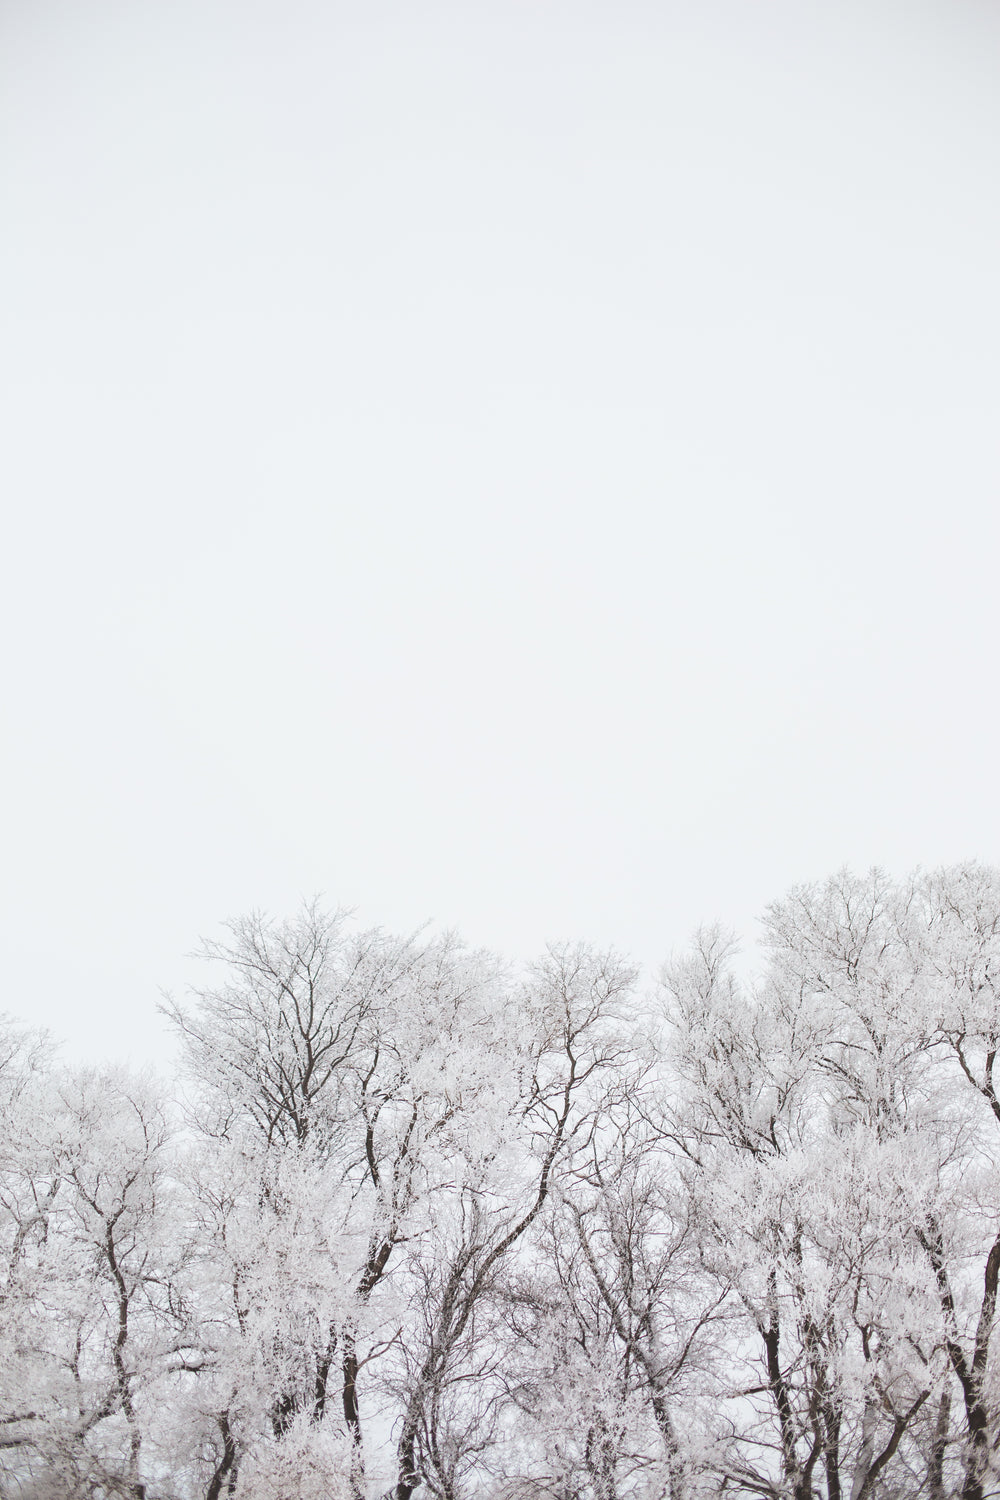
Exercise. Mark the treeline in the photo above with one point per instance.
(418, 1221)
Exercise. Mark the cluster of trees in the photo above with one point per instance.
(421, 1222)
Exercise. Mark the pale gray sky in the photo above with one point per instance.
(532, 465)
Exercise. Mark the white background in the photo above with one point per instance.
(530, 465)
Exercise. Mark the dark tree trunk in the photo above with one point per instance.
(935, 1468)
(226, 1469)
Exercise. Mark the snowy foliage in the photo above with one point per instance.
(417, 1221)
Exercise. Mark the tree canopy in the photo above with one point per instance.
(416, 1220)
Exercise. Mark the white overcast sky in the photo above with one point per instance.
(527, 464)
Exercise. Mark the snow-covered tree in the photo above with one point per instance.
(421, 1221)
